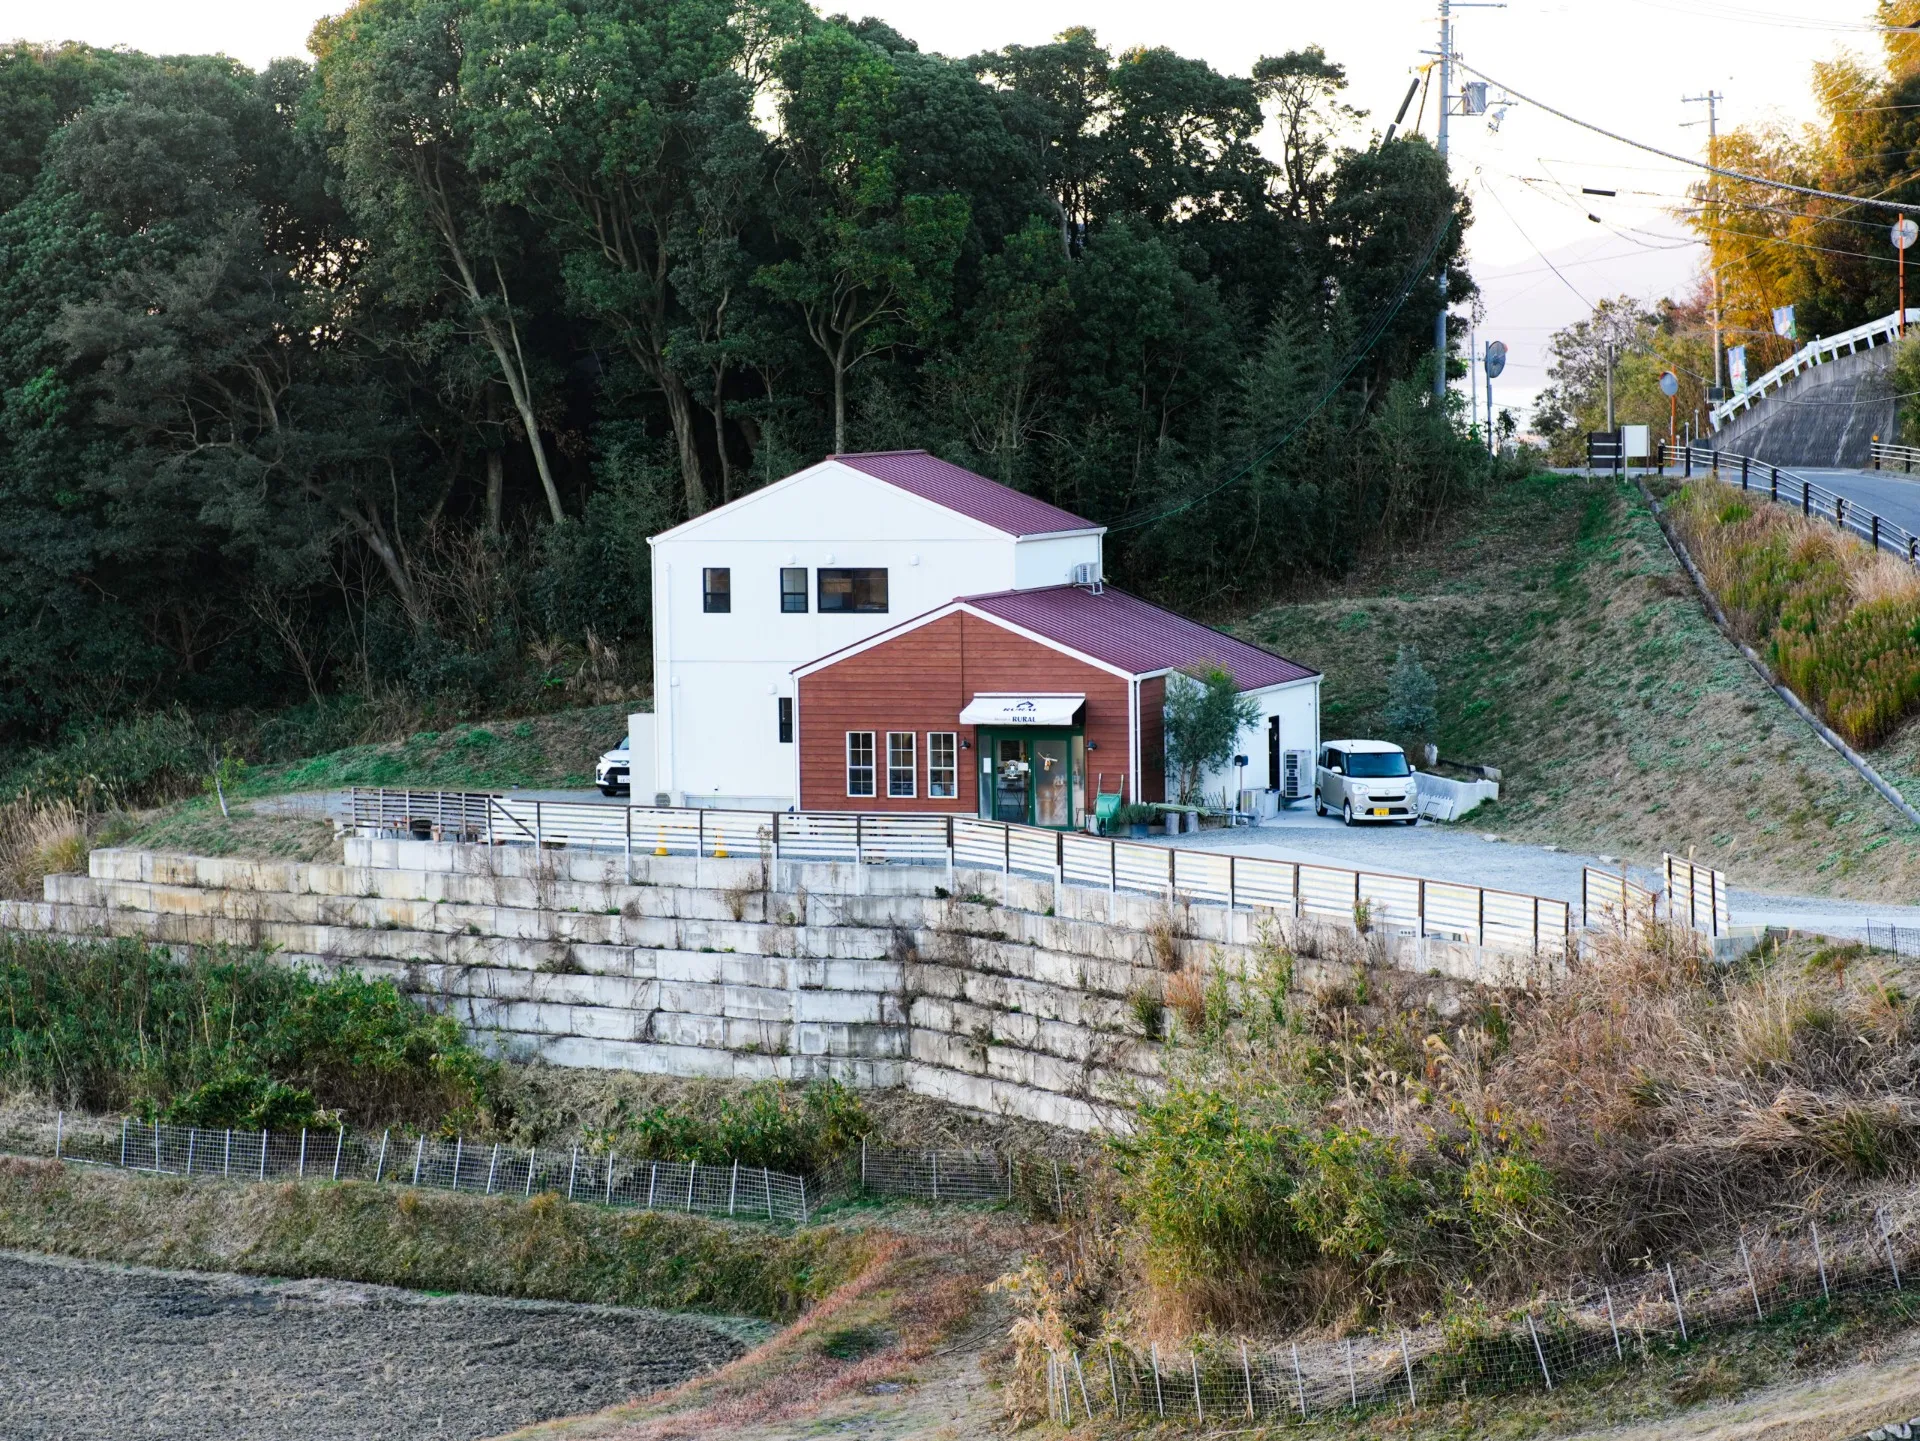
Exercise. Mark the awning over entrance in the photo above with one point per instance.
(1022, 710)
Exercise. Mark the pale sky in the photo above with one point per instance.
(1624, 64)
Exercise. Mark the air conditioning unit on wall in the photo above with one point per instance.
(1086, 575)
(1296, 775)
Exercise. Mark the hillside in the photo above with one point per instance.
(1573, 653)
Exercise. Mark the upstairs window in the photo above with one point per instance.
(900, 766)
(793, 589)
(850, 588)
(716, 590)
(859, 763)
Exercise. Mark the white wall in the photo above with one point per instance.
(1298, 706)
(717, 678)
(1050, 560)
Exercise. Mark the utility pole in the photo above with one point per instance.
(1446, 104)
(1609, 387)
(1447, 8)
(1712, 101)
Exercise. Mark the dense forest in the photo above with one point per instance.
(371, 376)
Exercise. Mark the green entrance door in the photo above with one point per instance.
(1030, 777)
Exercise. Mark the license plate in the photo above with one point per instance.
(1379, 811)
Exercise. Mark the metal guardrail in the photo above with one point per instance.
(1887, 456)
(1443, 910)
(1787, 488)
(1875, 332)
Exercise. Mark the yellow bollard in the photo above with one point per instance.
(719, 846)
(661, 848)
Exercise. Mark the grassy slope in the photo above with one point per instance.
(545, 1248)
(1573, 653)
(553, 750)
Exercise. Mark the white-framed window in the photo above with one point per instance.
(859, 763)
(943, 765)
(901, 771)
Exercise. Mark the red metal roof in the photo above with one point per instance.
(947, 484)
(1138, 637)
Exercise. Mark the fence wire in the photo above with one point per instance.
(1588, 1329)
(742, 1192)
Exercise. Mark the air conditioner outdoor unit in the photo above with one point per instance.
(1295, 775)
(1087, 575)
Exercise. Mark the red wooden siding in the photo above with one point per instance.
(1153, 739)
(918, 682)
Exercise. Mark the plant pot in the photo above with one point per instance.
(1138, 831)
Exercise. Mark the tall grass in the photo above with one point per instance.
(1360, 1152)
(226, 1038)
(1838, 621)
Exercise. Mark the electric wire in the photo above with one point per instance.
(1896, 205)
(1355, 354)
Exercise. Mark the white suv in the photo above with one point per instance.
(612, 771)
(1365, 781)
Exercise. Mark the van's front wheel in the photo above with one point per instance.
(1346, 812)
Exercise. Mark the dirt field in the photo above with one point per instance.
(96, 1351)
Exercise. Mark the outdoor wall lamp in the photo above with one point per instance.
(1093, 745)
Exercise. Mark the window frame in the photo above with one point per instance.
(911, 769)
(851, 574)
(724, 594)
(951, 768)
(789, 596)
(870, 768)
(783, 711)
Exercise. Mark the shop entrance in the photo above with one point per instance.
(1032, 777)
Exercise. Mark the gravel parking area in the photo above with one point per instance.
(96, 1351)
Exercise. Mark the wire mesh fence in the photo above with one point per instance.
(743, 1192)
(1588, 1329)
(1901, 940)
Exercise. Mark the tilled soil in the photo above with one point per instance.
(90, 1351)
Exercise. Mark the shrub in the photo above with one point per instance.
(1411, 691)
(226, 1038)
(771, 1123)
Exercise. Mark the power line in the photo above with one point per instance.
(1895, 205)
(1355, 355)
(1536, 249)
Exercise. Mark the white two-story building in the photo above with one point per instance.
(836, 558)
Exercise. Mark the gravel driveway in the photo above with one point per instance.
(91, 1351)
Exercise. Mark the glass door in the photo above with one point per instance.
(1052, 767)
(1010, 780)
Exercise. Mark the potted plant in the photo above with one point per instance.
(1134, 820)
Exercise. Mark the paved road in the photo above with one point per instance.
(1890, 494)
(1446, 853)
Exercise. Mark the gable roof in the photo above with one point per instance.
(960, 490)
(1117, 631)
(1134, 635)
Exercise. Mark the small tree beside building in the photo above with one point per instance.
(1205, 715)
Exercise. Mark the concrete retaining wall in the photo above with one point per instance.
(996, 992)
(1827, 416)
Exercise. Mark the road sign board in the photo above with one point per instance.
(1496, 358)
(1904, 232)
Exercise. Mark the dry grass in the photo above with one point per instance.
(39, 839)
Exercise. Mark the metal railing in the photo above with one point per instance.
(1443, 910)
(1875, 332)
(1696, 896)
(741, 1192)
(1758, 477)
(1887, 456)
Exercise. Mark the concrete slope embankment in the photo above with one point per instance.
(1827, 416)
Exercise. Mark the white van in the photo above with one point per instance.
(1365, 781)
